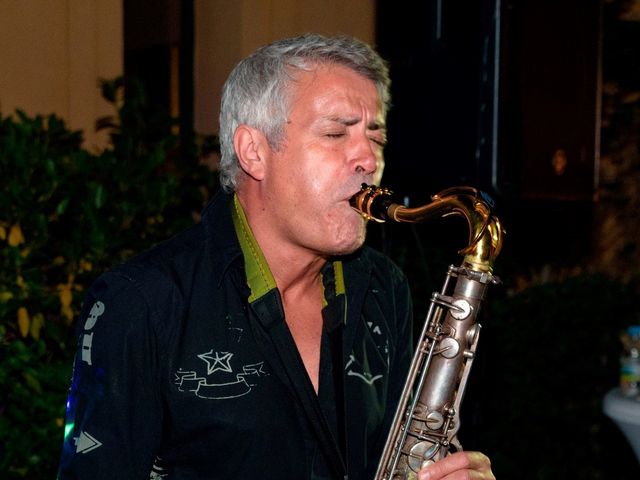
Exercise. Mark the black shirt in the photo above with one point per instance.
(177, 377)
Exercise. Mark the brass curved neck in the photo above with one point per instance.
(485, 230)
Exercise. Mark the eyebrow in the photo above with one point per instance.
(348, 122)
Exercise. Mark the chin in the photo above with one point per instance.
(350, 245)
(347, 236)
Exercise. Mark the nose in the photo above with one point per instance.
(366, 156)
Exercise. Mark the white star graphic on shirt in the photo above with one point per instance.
(217, 361)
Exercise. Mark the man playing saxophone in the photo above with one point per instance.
(266, 341)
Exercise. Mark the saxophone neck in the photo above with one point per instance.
(480, 254)
(485, 229)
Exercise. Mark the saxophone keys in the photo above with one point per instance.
(448, 347)
(473, 333)
(460, 309)
(422, 453)
(434, 420)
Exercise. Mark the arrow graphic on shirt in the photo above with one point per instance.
(86, 443)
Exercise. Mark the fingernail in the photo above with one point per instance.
(424, 476)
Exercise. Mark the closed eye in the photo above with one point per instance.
(378, 141)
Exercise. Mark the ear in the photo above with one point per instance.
(249, 144)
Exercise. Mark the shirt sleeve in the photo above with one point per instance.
(113, 420)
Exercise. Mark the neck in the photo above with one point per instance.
(294, 268)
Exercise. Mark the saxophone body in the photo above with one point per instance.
(427, 420)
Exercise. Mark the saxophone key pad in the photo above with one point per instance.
(449, 347)
(462, 309)
(434, 420)
(420, 454)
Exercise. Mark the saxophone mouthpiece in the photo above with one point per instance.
(372, 202)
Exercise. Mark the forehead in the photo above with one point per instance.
(329, 87)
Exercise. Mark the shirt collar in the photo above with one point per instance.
(221, 240)
(259, 277)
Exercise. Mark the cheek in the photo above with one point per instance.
(316, 185)
(312, 178)
(321, 189)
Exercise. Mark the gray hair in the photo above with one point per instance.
(256, 92)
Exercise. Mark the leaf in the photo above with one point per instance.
(23, 321)
(15, 236)
(99, 195)
(67, 313)
(62, 206)
(37, 322)
(50, 167)
(65, 295)
(5, 296)
(85, 265)
(32, 382)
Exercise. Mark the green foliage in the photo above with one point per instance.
(66, 214)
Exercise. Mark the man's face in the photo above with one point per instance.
(333, 142)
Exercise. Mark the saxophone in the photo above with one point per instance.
(427, 421)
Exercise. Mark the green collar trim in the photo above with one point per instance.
(339, 277)
(259, 276)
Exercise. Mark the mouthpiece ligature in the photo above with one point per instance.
(372, 202)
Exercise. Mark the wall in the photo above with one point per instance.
(53, 52)
(228, 30)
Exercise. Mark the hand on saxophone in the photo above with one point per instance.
(459, 466)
